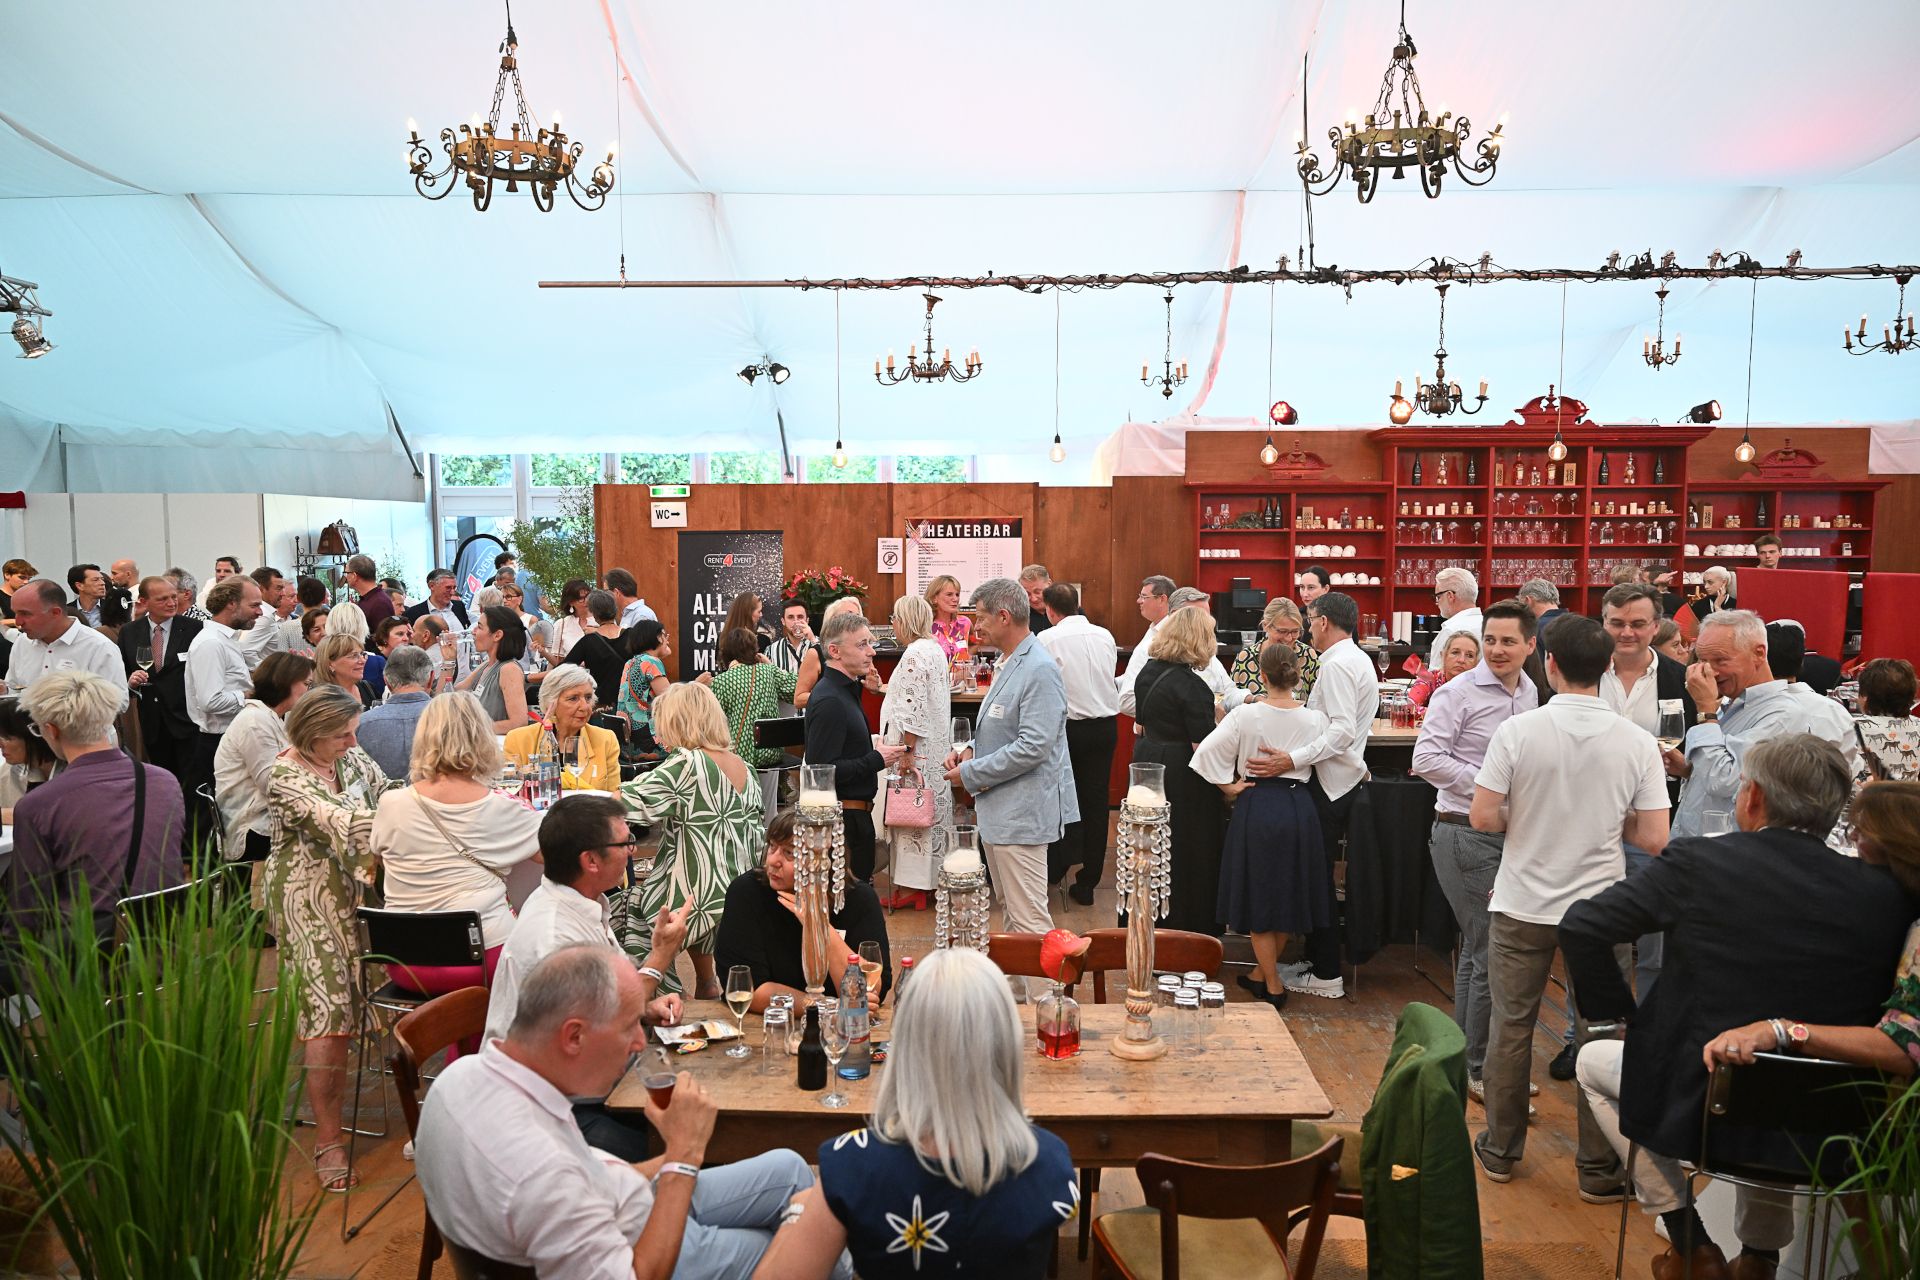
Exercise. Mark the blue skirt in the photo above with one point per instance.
(1273, 873)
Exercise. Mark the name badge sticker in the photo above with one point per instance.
(997, 712)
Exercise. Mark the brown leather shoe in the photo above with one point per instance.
(1708, 1264)
(1748, 1267)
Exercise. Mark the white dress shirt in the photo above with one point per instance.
(78, 648)
(1135, 661)
(269, 635)
(552, 917)
(217, 677)
(242, 768)
(1225, 691)
(507, 1173)
(1640, 704)
(1086, 655)
(1468, 620)
(1347, 693)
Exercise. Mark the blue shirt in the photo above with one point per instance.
(902, 1220)
(1461, 718)
(1767, 710)
(386, 732)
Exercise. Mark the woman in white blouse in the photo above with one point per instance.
(573, 619)
(448, 841)
(916, 713)
(243, 766)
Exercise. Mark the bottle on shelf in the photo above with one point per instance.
(1206, 518)
(1659, 469)
(1440, 470)
(1499, 470)
(1473, 470)
(1533, 476)
(1416, 469)
(1553, 473)
(1605, 469)
(857, 1062)
(1631, 476)
(1760, 515)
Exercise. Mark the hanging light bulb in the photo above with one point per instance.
(1744, 451)
(1558, 449)
(1400, 412)
(1059, 451)
(839, 454)
(1268, 454)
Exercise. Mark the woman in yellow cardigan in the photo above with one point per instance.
(589, 755)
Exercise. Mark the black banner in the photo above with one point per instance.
(715, 566)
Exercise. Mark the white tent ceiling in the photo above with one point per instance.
(215, 203)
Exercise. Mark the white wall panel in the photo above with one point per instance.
(204, 526)
(49, 533)
(108, 526)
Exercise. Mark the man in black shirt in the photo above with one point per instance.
(837, 734)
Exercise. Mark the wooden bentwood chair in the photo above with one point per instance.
(1240, 1219)
(440, 1022)
(1174, 951)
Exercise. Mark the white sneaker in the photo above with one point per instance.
(1307, 984)
(1477, 1090)
(1298, 968)
(406, 1152)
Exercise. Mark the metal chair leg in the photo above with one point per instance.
(1626, 1174)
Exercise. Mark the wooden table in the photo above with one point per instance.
(1230, 1095)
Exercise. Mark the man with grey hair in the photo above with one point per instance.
(189, 600)
(50, 639)
(1017, 769)
(507, 1173)
(837, 734)
(1779, 933)
(386, 732)
(362, 576)
(1730, 663)
(1035, 579)
(1544, 599)
(1156, 602)
(1454, 592)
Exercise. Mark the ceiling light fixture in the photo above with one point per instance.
(542, 158)
(1441, 397)
(1058, 453)
(1557, 451)
(839, 448)
(1400, 134)
(928, 370)
(1173, 375)
(1279, 412)
(1743, 452)
(1654, 350)
(767, 368)
(1709, 411)
(1893, 340)
(18, 297)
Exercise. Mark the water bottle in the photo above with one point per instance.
(546, 771)
(857, 1063)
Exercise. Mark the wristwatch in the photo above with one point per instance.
(1798, 1033)
(1709, 717)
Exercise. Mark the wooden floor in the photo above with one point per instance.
(1345, 1041)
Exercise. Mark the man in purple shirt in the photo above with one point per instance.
(363, 577)
(79, 824)
(1461, 719)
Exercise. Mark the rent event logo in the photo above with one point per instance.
(731, 560)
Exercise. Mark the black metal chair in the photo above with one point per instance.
(398, 939)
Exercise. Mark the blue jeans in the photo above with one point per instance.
(1465, 862)
(736, 1209)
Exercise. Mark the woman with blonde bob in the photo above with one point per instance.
(948, 1143)
(706, 801)
(917, 712)
(348, 620)
(589, 755)
(952, 630)
(341, 661)
(1175, 711)
(449, 840)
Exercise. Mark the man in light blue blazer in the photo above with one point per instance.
(1017, 770)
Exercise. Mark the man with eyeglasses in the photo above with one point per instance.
(837, 734)
(1156, 602)
(585, 845)
(1454, 592)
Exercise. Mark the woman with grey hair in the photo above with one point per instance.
(589, 755)
(322, 794)
(917, 714)
(600, 650)
(949, 1172)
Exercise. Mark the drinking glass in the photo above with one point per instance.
(773, 1036)
(870, 965)
(833, 1039)
(962, 733)
(1717, 822)
(1381, 660)
(739, 996)
(143, 657)
(1672, 724)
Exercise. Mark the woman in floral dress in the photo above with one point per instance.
(916, 712)
(707, 802)
(642, 680)
(1282, 624)
(322, 796)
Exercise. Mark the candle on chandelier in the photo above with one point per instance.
(946, 355)
(1646, 347)
(1676, 344)
(1396, 390)
(1483, 388)
(1863, 324)
(889, 359)
(1143, 371)
(876, 368)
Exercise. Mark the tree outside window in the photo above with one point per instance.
(931, 470)
(743, 468)
(656, 468)
(474, 469)
(858, 470)
(571, 470)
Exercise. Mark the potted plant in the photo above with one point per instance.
(556, 549)
(816, 589)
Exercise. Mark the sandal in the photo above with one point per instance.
(336, 1179)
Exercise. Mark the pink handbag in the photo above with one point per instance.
(909, 802)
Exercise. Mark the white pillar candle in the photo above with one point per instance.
(818, 799)
(962, 862)
(1143, 797)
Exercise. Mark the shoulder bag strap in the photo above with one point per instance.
(426, 807)
(746, 704)
(1875, 769)
(139, 826)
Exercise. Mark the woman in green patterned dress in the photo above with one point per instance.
(1283, 625)
(322, 796)
(642, 680)
(751, 688)
(707, 802)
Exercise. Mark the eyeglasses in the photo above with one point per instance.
(628, 843)
(1442, 594)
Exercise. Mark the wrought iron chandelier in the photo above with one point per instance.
(543, 159)
(928, 370)
(18, 297)
(1654, 350)
(1172, 374)
(1398, 134)
(1893, 339)
(1439, 397)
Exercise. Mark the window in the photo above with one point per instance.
(743, 468)
(456, 529)
(572, 470)
(656, 468)
(468, 470)
(858, 470)
(934, 470)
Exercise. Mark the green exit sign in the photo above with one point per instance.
(669, 490)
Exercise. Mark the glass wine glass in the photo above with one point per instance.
(739, 996)
(870, 965)
(962, 733)
(143, 656)
(833, 1039)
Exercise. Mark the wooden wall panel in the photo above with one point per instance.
(1896, 526)
(1074, 539)
(1229, 457)
(1153, 532)
(1841, 450)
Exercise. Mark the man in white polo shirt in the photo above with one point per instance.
(218, 678)
(1566, 783)
(51, 639)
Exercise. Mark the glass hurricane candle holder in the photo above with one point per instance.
(817, 787)
(961, 900)
(1147, 786)
(819, 879)
(1144, 881)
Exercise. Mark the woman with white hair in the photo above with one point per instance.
(917, 713)
(706, 801)
(348, 620)
(589, 755)
(948, 1177)
(103, 818)
(323, 794)
(815, 661)
(448, 841)
(1720, 587)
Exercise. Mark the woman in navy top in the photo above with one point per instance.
(949, 1178)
